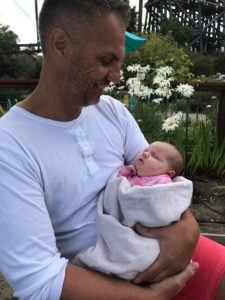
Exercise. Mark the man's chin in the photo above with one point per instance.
(92, 101)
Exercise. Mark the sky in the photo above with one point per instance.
(20, 16)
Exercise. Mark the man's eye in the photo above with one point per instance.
(106, 62)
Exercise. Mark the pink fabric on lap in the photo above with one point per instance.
(203, 285)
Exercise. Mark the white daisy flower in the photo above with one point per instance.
(142, 91)
(178, 117)
(165, 71)
(145, 69)
(141, 75)
(185, 90)
(157, 100)
(133, 68)
(121, 87)
(158, 79)
(133, 81)
(164, 92)
(121, 75)
(110, 87)
(169, 124)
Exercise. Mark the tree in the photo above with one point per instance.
(8, 39)
(183, 35)
(16, 65)
(132, 26)
(27, 66)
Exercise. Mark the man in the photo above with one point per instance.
(58, 148)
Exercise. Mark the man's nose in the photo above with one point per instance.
(114, 73)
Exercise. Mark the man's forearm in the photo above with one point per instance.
(82, 284)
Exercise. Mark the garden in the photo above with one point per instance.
(170, 103)
(174, 94)
(164, 87)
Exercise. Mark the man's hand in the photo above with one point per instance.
(177, 244)
(171, 286)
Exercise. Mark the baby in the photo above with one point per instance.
(157, 164)
(137, 193)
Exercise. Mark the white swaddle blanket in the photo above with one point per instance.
(119, 250)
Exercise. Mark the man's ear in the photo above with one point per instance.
(59, 42)
(172, 173)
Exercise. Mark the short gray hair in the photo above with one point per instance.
(74, 15)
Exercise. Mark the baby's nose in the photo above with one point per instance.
(145, 154)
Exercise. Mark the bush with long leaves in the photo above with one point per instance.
(208, 155)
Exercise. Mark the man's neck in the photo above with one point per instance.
(49, 105)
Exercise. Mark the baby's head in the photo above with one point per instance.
(159, 158)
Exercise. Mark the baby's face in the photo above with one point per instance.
(153, 160)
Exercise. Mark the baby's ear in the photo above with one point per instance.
(172, 173)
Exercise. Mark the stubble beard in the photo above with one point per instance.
(75, 85)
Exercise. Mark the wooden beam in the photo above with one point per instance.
(140, 16)
(206, 26)
(184, 11)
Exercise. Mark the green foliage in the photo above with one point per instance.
(183, 35)
(219, 63)
(7, 38)
(150, 117)
(16, 65)
(132, 26)
(27, 66)
(208, 156)
(159, 51)
(201, 64)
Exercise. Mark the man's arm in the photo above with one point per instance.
(177, 244)
(83, 284)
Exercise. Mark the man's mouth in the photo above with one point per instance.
(100, 86)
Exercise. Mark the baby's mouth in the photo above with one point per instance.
(141, 160)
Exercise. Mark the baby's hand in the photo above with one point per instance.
(132, 169)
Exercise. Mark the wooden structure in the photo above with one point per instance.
(21, 48)
(207, 18)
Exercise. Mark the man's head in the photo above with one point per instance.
(84, 42)
(77, 17)
(159, 158)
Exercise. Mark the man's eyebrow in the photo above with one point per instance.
(112, 55)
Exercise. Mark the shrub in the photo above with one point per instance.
(158, 51)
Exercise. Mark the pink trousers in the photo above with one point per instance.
(211, 259)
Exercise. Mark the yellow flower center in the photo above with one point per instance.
(170, 123)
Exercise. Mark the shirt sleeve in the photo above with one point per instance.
(29, 258)
(135, 141)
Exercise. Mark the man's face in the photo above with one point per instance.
(97, 62)
(154, 160)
